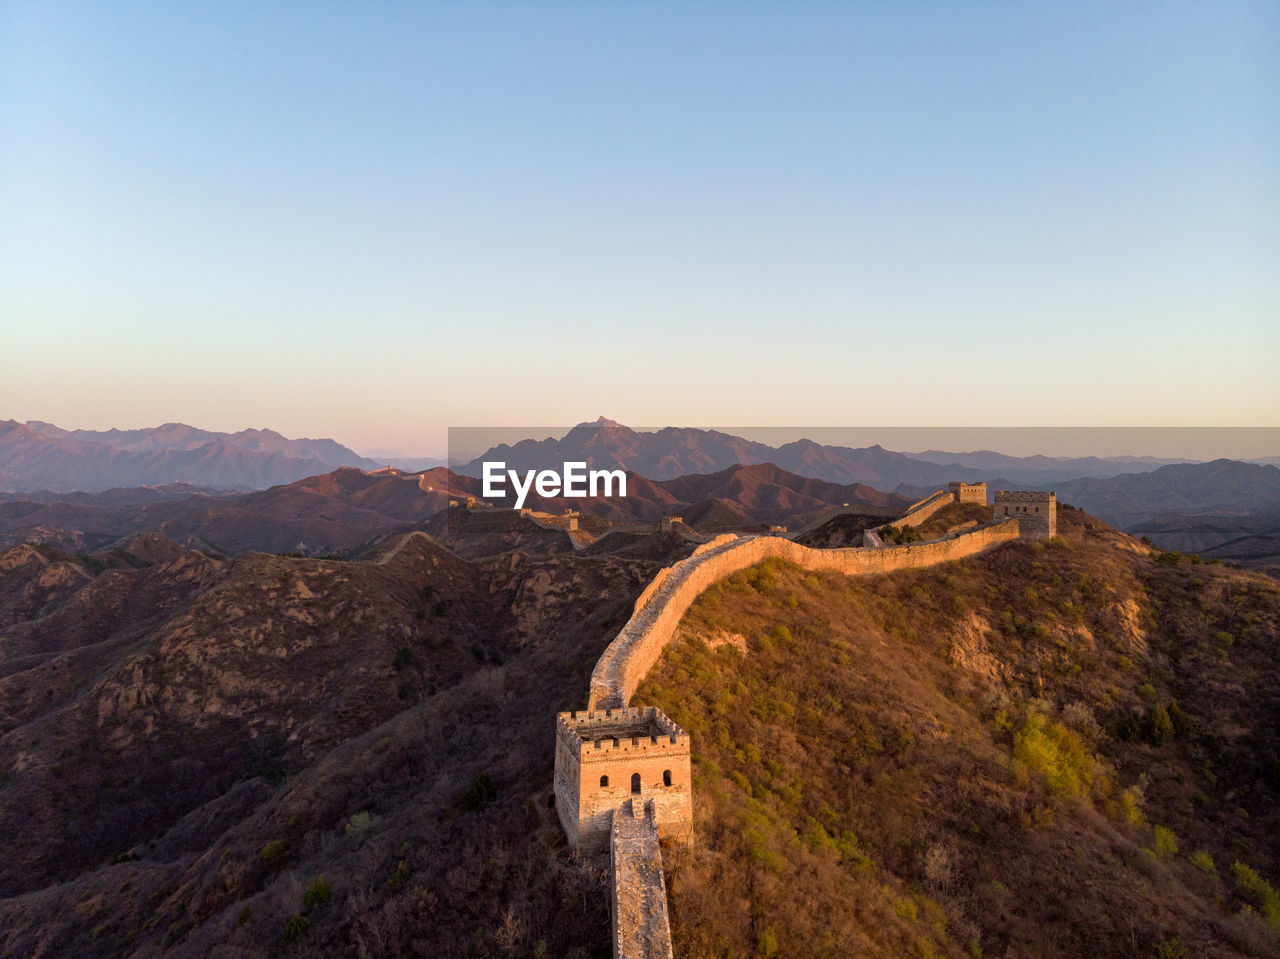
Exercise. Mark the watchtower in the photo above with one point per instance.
(969, 492)
(612, 757)
(1037, 512)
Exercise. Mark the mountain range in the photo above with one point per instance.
(37, 455)
(677, 451)
(346, 509)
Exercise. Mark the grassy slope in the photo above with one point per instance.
(972, 760)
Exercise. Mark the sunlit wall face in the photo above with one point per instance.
(374, 224)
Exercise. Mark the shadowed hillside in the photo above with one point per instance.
(188, 744)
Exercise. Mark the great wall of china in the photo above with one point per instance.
(623, 776)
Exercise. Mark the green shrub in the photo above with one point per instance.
(275, 853)
(296, 927)
(479, 793)
(318, 893)
(176, 931)
(400, 876)
(1253, 887)
(246, 915)
(1056, 754)
(768, 944)
(1170, 949)
(1163, 841)
(361, 822)
(1203, 861)
(1160, 726)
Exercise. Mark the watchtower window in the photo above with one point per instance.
(666, 777)
(604, 782)
(635, 784)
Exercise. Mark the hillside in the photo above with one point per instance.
(1054, 749)
(344, 511)
(319, 515)
(187, 744)
(271, 756)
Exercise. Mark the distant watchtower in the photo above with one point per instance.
(969, 492)
(612, 758)
(1037, 512)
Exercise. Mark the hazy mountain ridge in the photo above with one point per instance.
(676, 451)
(37, 455)
(344, 510)
(1054, 468)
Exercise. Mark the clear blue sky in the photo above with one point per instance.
(371, 221)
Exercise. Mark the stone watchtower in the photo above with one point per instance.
(969, 492)
(1037, 512)
(609, 759)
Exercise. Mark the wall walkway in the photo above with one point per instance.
(661, 606)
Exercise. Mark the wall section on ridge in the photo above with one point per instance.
(637, 647)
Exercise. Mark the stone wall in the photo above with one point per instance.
(637, 647)
(969, 492)
(641, 927)
(1035, 511)
(917, 513)
(597, 756)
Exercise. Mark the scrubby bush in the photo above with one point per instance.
(400, 877)
(296, 927)
(361, 822)
(479, 793)
(1056, 754)
(275, 853)
(1203, 861)
(1253, 888)
(318, 893)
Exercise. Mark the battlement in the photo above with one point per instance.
(608, 757)
(969, 492)
(604, 735)
(1036, 511)
(1025, 496)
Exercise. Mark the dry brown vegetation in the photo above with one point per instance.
(208, 738)
(1055, 749)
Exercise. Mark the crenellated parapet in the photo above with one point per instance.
(969, 492)
(608, 757)
(1036, 511)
